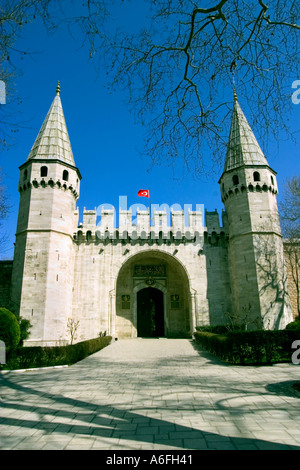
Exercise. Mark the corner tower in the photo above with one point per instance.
(249, 193)
(42, 279)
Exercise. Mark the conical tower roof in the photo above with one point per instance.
(243, 148)
(52, 142)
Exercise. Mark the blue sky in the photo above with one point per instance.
(104, 137)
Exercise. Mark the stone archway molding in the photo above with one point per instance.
(167, 256)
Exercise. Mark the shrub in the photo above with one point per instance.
(25, 326)
(212, 342)
(221, 329)
(294, 325)
(218, 329)
(9, 328)
(252, 347)
(37, 356)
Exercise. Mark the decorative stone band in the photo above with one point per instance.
(235, 190)
(49, 183)
(151, 238)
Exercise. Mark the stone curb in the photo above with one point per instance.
(33, 369)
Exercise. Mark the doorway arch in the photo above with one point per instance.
(160, 271)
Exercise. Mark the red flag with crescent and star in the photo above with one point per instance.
(144, 193)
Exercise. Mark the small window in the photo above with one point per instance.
(25, 175)
(66, 175)
(235, 180)
(44, 171)
(256, 176)
(272, 180)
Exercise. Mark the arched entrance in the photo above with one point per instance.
(153, 279)
(150, 313)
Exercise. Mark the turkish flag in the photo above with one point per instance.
(144, 193)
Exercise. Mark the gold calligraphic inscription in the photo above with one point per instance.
(150, 270)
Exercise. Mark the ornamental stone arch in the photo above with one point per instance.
(159, 271)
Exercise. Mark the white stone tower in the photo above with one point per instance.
(42, 279)
(256, 260)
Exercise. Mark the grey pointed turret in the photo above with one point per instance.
(53, 140)
(255, 249)
(243, 148)
(49, 188)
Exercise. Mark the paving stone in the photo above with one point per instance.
(195, 444)
(150, 401)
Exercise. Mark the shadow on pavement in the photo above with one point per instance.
(284, 389)
(111, 422)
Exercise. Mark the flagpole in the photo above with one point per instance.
(146, 193)
(150, 210)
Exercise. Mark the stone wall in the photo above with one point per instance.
(197, 273)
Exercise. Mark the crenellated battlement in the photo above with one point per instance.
(162, 225)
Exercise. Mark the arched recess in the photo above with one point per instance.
(162, 271)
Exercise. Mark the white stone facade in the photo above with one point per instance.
(147, 277)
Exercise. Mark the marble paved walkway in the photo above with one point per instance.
(160, 394)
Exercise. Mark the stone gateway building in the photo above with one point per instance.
(146, 278)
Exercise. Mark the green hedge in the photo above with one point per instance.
(252, 347)
(218, 329)
(33, 357)
(9, 328)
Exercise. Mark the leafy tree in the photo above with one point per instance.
(9, 328)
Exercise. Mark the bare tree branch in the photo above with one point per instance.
(180, 64)
(176, 79)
